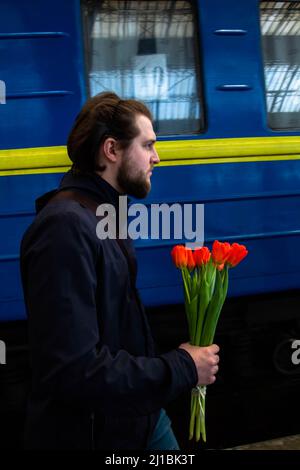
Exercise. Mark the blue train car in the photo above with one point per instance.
(222, 79)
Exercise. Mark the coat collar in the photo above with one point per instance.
(90, 183)
(93, 184)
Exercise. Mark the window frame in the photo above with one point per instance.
(198, 67)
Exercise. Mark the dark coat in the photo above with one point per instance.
(96, 380)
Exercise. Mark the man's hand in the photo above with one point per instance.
(206, 360)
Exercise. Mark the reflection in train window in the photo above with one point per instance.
(146, 50)
(280, 26)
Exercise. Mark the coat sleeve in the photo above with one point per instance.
(58, 261)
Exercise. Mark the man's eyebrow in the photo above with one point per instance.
(150, 141)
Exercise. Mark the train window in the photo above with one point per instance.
(280, 26)
(146, 50)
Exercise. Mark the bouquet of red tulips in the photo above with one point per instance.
(205, 281)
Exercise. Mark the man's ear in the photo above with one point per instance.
(110, 149)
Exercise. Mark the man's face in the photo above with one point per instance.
(135, 170)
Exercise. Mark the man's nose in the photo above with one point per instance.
(154, 157)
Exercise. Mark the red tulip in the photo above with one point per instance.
(179, 256)
(236, 254)
(201, 256)
(220, 252)
(190, 259)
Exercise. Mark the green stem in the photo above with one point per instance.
(203, 302)
(213, 311)
(198, 420)
(193, 413)
(186, 287)
(203, 430)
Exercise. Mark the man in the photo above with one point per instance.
(96, 380)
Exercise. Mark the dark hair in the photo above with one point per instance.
(106, 114)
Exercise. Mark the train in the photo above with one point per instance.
(222, 80)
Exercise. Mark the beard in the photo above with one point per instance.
(136, 185)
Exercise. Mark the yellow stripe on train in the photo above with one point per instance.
(173, 152)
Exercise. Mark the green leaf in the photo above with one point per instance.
(186, 284)
(213, 311)
(191, 309)
(203, 301)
